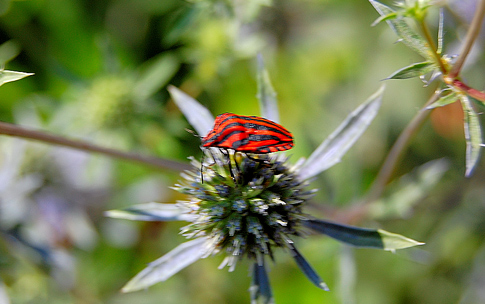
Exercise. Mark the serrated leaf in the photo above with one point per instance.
(198, 116)
(413, 70)
(444, 101)
(168, 265)
(266, 93)
(151, 212)
(473, 135)
(341, 140)
(307, 269)
(260, 287)
(9, 76)
(407, 34)
(361, 237)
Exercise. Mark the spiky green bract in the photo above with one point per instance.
(9, 76)
(249, 212)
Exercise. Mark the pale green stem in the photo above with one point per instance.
(434, 49)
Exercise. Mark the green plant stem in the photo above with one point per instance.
(397, 150)
(470, 39)
(402, 142)
(434, 49)
(17, 131)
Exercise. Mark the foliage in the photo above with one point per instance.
(95, 128)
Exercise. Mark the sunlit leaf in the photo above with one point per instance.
(260, 287)
(407, 34)
(393, 241)
(409, 190)
(266, 93)
(9, 76)
(198, 116)
(168, 265)
(339, 142)
(361, 237)
(150, 212)
(413, 70)
(156, 74)
(307, 269)
(444, 100)
(473, 135)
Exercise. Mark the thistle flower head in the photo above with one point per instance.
(248, 206)
(247, 212)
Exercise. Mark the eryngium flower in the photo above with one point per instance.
(246, 208)
(249, 212)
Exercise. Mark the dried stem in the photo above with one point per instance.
(397, 150)
(470, 38)
(16, 131)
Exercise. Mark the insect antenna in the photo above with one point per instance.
(193, 133)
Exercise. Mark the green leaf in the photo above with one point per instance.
(473, 135)
(393, 241)
(266, 93)
(439, 48)
(341, 140)
(9, 76)
(444, 100)
(361, 237)
(407, 34)
(8, 51)
(181, 21)
(413, 70)
(390, 16)
(150, 212)
(155, 75)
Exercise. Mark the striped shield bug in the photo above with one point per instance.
(248, 134)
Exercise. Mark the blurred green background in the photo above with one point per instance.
(101, 71)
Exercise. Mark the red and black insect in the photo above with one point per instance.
(248, 134)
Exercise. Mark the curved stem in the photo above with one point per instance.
(16, 131)
(471, 36)
(479, 95)
(387, 169)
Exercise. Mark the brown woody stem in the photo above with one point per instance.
(470, 38)
(17, 131)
